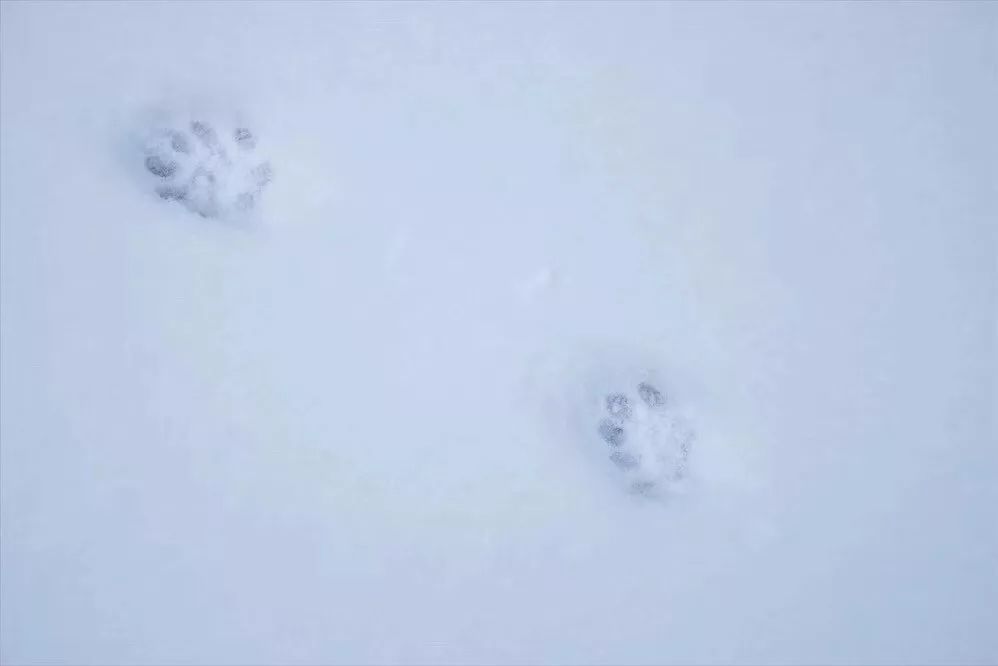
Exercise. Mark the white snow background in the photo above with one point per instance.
(353, 429)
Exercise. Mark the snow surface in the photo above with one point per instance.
(353, 429)
(210, 166)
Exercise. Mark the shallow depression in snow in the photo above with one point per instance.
(208, 164)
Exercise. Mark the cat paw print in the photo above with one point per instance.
(211, 169)
(648, 443)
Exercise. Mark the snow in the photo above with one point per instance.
(359, 427)
(209, 165)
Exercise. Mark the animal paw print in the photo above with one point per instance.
(212, 170)
(648, 444)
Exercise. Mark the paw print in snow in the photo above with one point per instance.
(212, 170)
(649, 444)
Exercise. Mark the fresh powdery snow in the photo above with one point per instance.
(487, 333)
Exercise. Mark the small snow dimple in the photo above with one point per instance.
(262, 174)
(624, 460)
(180, 143)
(611, 433)
(171, 193)
(617, 405)
(244, 138)
(205, 132)
(650, 395)
(160, 167)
